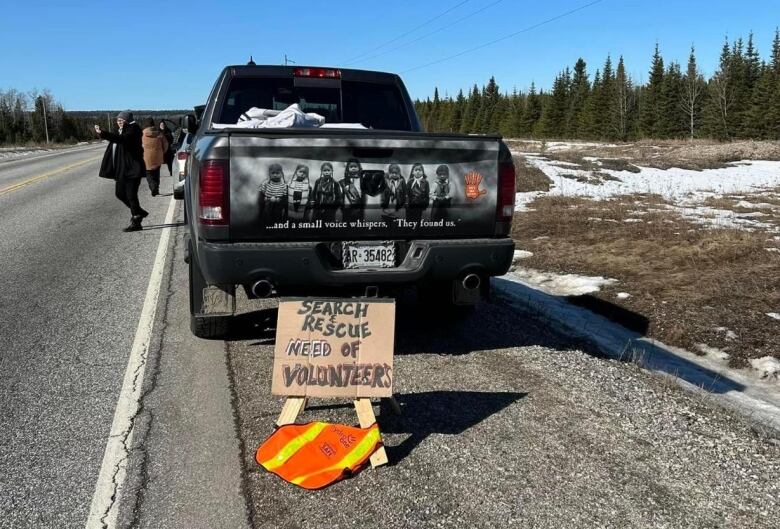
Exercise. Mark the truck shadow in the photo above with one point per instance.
(259, 325)
(434, 412)
(424, 329)
(438, 412)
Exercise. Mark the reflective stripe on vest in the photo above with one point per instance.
(317, 454)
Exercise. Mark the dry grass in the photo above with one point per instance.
(529, 178)
(687, 280)
(663, 154)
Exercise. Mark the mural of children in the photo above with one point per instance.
(442, 199)
(394, 195)
(326, 197)
(273, 196)
(298, 193)
(353, 199)
(418, 193)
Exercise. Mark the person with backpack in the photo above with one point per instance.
(155, 145)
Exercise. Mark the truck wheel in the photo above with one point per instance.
(209, 327)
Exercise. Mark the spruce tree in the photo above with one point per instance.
(622, 105)
(605, 101)
(553, 120)
(506, 124)
(651, 97)
(759, 117)
(774, 110)
(458, 109)
(486, 121)
(589, 125)
(472, 107)
(434, 117)
(517, 117)
(580, 90)
(532, 112)
(672, 118)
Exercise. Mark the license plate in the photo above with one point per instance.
(368, 255)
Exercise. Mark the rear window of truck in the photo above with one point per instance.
(376, 106)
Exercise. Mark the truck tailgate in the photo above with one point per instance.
(320, 186)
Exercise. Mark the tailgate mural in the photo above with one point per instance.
(362, 189)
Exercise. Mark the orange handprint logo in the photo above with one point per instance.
(473, 179)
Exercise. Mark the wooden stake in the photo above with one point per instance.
(292, 407)
(366, 417)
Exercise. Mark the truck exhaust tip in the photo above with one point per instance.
(262, 288)
(471, 282)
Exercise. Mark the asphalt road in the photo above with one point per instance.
(72, 288)
(504, 422)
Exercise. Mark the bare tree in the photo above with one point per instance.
(692, 93)
(725, 95)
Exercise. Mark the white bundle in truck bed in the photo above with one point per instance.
(290, 117)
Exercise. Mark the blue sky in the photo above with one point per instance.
(161, 55)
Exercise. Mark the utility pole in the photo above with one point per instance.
(45, 123)
(108, 120)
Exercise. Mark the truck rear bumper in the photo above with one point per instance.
(296, 264)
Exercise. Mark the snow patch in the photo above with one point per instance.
(774, 315)
(753, 205)
(562, 284)
(686, 188)
(521, 254)
(712, 352)
(623, 295)
(767, 367)
(730, 335)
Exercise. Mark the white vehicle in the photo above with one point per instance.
(180, 163)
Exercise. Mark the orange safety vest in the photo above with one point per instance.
(317, 454)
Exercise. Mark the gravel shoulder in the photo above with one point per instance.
(507, 424)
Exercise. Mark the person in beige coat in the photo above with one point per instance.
(155, 145)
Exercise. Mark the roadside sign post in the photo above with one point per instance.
(333, 348)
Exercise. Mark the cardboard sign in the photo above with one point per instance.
(334, 348)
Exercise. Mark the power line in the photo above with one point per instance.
(353, 59)
(524, 30)
(431, 34)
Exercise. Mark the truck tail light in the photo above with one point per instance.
(506, 191)
(324, 73)
(213, 193)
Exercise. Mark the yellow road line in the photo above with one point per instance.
(14, 187)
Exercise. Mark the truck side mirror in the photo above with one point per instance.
(190, 123)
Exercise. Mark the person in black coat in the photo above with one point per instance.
(123, 161)
(169, 153)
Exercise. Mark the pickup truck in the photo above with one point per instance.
(364, 204)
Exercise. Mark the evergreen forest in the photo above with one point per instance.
(740, 100)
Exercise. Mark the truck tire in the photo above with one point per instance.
(208, 327)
